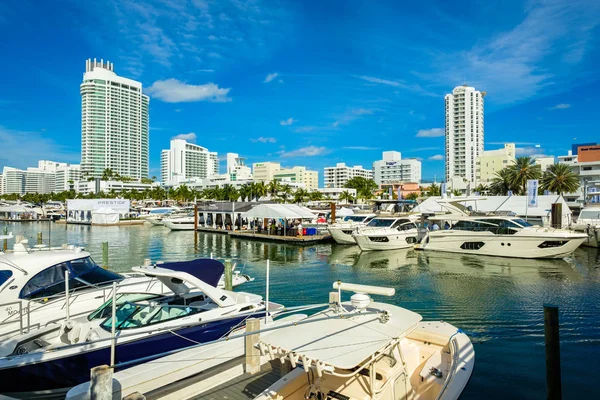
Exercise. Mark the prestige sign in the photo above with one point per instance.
(120, 205)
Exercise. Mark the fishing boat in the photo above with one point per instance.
(33, 285)
(138, 324)
(502, 236)
(588, 222)
(342, 231)
(364, 349)
(387, 234)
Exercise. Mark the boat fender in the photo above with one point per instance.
(293, 360)
(271, 354)
(262, 348)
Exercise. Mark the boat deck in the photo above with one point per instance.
(245, 386)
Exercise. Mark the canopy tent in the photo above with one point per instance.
(500, 204)
(344, 212)
(285, 211)
(105, 216)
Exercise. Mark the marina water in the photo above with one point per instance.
(496, 301)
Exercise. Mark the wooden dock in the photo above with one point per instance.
(300, 240)
(212, 230)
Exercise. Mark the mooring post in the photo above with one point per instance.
(195, 217)
(252, 365)
(39, 238)
(101, 383)
(105, 255)
(552, 342)
(556, 215)
(228, 275)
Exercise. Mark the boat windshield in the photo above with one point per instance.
(105, 310)
(380, 223)
(4, 276)
(590, 214)
(521, 222)
(84, 272)
(160, 211)
(354, 218)
(136, 315)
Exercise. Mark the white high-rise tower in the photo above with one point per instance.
(114, 123)
(464, 132)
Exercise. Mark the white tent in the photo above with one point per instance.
(502, 204)
(344, 212)
(286, 211)
(105, 216)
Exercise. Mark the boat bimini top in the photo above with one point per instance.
(340, 338)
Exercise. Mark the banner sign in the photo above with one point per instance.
(443, 189)
(119, 205)
(532, 193)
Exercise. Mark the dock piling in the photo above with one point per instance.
(556, 215)
(228, 275)
(101, 383)
(105, 255)
(252, 364)
(552, 344)
(39, 238)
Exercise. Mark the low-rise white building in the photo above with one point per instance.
(338, 176)
(237, 168)
(47, 177)
(392, 168)
(265, 171)
(334, 193)
(296, 175)
(587, 168)
(544, 162)
(492, 161)
(184, 160)
(97, 186)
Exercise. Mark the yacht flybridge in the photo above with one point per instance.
(342, 232)
(502, 236)
(60, 355)
(387, 234)
(363, 349)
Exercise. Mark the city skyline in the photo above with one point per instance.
(274, 82)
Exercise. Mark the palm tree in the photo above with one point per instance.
(522, 170)
(482, 188)
(501, 183)
(434, 190)
(559, 178)
(316, 196)
(273, 187)
(346, 196)
(284, 192)
(259, 190)
(300, 195)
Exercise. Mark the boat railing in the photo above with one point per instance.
(453, 364)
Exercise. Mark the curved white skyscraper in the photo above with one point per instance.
(114, 123)
(464, 132)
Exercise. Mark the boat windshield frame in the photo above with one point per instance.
(354, 218)
(375, 223)
(130, 315)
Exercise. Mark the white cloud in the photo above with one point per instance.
(434, 132)
(352, 115)
(360, 148)
(528, 151)
(189, 137)
(437, 157)
(264, 140)
(309, 151)
(362, 111)
(561, 106)
(174, 91)
(308, 128)
(388, 82)
(270, 77)
(288, 121)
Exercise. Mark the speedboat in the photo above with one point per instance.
(179, 223)
(342, 232)
(387, 234)
(60, 355)
(155, 214)
(363, 349)
(32, 285)
(588, 222)
(502, 236)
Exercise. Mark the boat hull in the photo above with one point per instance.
(52, 372)
(386, 240)
(517, 246)
(592, 232)
(187, 226)
(341, 235)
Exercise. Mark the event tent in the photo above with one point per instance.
(105, 216)
(285, 211)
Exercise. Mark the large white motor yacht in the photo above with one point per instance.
(502, 236)
(387, 234)
(342, 232)
(588, 222)
(179, 223)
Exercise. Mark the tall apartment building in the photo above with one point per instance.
(492, 161)
(338, 176)
(183, 161)
(265, 171)
(392, 168)
(464, 132)
(297, 175)
(114, 123)
(47, 177)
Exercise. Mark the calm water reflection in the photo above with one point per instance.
(497, 301)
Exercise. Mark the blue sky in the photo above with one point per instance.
(309, 82)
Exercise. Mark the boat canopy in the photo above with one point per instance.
(287, 211)
(343, 342)
(205, 269)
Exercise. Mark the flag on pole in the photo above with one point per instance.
(532, 193)
(443, 189)
(509, 193)
(390, 191)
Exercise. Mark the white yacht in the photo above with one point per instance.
(342, 231)
(387, 234)
(179, 223)
(502, 236)
(32, 285)
(588, 222)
